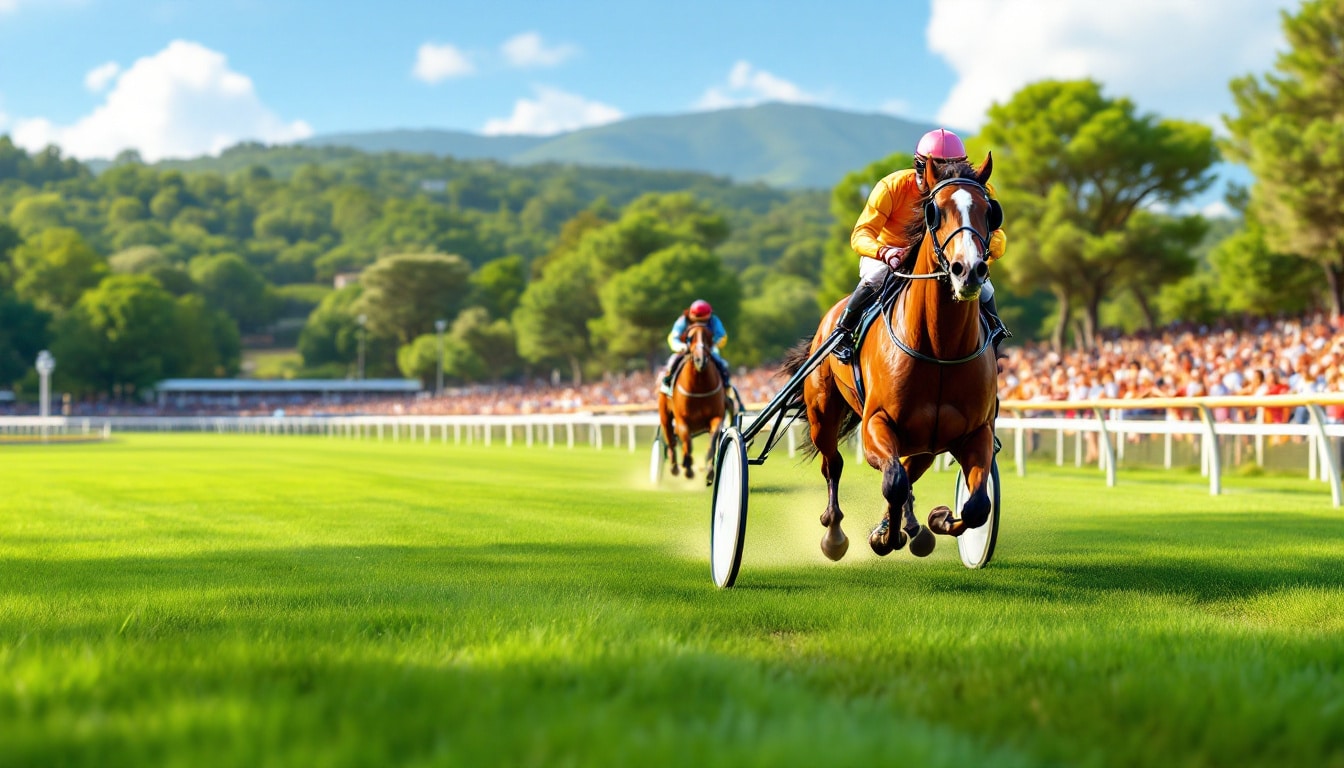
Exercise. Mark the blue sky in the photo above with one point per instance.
(172, 77)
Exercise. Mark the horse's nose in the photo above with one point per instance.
(957, 269)
(981, 271)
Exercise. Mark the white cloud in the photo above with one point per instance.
(529, 50)
(1218, 209)
(180, 102)
(553, 111)
(1174, 57)
(436, 63)
(101, 76)
(748, 85)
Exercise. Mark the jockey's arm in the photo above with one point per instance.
(875, 214)
(998, 240)
(720, 333)
(674, 339)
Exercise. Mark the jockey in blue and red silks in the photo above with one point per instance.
(700, 312)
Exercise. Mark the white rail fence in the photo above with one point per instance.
(1101, 421)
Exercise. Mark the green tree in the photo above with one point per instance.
(640, 303)
(33, 214)
(119, 333)
(404, 294)
(54, 267)
(23, 333)
(231, 284)
(213, 350)
(1289, 130)
(420, 360)
(491, 341)
(330, 337)
(553, 313)
(1071, 167)
(783, 311)
(498, 285)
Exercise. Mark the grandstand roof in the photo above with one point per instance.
(288, 386)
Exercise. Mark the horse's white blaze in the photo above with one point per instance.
(970, 253)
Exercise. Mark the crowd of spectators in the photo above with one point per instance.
(1254, 357)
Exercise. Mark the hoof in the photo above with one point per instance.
(676, 470)
(690, 473)
(834, 545)
(942, 522)
(709, 478)
(884, 540)
(923, 543)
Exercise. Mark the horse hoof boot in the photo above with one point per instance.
(835, 546)
(884, 540)
(940, 521)
(923, 543)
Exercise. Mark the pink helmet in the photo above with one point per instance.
(940, 144)
(700, 310)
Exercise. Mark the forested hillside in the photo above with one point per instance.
(143, 272)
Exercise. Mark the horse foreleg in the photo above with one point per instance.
(669, 441)
(687, 460)
(825, 423)
(974, 455)
(922, 540)
(883, 453)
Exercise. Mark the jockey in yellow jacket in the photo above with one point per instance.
(879, 236)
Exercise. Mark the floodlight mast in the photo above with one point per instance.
(46, 363)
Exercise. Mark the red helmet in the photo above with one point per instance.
(940, 144)
(700, 310)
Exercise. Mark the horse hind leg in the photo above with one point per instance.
(825, 420)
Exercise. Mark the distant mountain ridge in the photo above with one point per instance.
(783, 145)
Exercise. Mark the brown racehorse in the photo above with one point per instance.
(697, 404)
(927, 369)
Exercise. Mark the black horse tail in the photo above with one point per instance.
(793, 362)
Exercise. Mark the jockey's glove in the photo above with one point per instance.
(892, 255)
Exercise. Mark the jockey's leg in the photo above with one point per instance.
(997, 330)
(723, 367)
(665, 381)
(871, 274)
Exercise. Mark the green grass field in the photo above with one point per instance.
(201, 600)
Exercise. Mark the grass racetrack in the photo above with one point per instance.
(236, 600)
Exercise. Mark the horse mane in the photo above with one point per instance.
(954, 169)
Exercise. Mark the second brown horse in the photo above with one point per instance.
(698, 403)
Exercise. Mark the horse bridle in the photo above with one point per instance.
(932, 220)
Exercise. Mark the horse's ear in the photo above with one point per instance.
(986, 168)
(930, 175)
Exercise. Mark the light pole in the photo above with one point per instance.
(439, 325)
(362, 319)
(45, 365)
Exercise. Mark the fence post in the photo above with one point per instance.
(1107, 452)
(1327, 450)
(1020, 447)
(630, 435)
(569, 427)
(1214, 458)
